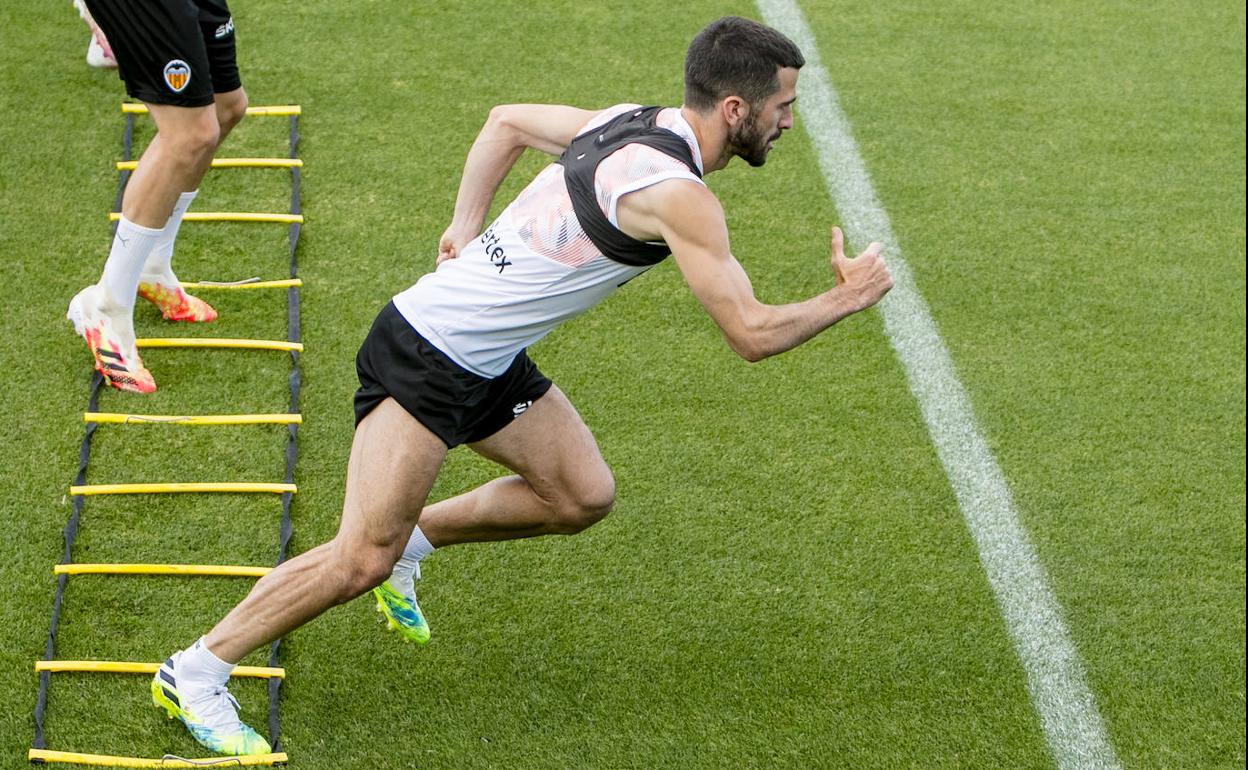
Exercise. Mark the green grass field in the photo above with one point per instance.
(787, 580)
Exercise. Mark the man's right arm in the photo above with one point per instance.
(508, 131)
(691, 222)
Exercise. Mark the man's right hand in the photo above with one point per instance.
(865, 279)
(453, 240)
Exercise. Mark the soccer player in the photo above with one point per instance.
(444, 363)
(177, 57)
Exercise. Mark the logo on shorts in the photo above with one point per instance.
(521, 408)
(177, 75)
(225, 29)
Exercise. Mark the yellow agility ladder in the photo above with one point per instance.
(94, 419)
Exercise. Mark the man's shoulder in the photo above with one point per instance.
(679, 201)
(608, 114)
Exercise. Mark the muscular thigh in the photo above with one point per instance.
(551, 447)
(394, 461)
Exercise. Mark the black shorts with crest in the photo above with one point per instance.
(177, 52)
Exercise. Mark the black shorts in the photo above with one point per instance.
(177, 52)
(459, 406)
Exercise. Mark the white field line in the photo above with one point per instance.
(1068, 713)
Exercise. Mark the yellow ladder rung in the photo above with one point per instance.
(124, 667)
(131, 165)
(216, 570)
(167, 762)
(248, 283)
(216, 342)
(229, 216)
(114, 418)
(275, 111)
(190, 486)
(260, 111)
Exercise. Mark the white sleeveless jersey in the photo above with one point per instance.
(534, 267)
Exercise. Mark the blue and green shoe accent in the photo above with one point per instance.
(238, 741)
(402, 614)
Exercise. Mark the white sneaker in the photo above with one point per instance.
(210, 713)
(99, 53)
(110, 336)
(99, 57)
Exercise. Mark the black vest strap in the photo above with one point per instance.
(580, 160)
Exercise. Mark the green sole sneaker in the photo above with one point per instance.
(216, 726)
(402, 614)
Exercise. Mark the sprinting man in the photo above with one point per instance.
(177, 57)
(444, 363)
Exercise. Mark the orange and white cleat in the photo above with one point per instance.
(117, 361)
(174, 303)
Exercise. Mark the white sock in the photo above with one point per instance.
(159, 262)
(407, 570)
(198, 666)
(131, 246)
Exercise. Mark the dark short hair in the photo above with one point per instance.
(733, 56)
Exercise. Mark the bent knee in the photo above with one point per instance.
(587, 503)
(196, 140)
(230, 112)
(358, 573)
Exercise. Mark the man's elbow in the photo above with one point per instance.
(501, 124)
(748, 335)
(753, 356)
(747, 346)
(512, 124)
(497, 119)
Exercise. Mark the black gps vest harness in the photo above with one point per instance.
(580, 160)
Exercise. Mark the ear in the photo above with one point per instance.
(734, 109)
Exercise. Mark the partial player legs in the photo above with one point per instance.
(563, 486)
(158, 283)
(139, 261)
(104, 314)
(394, 461)
(175, 161)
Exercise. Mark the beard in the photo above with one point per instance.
(749, 142)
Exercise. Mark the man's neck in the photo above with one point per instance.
(712, 139)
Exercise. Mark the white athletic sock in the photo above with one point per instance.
(131, 246)
(159, 262)
(407, 570)
(199, 667)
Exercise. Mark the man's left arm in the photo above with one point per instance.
(690, 220)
